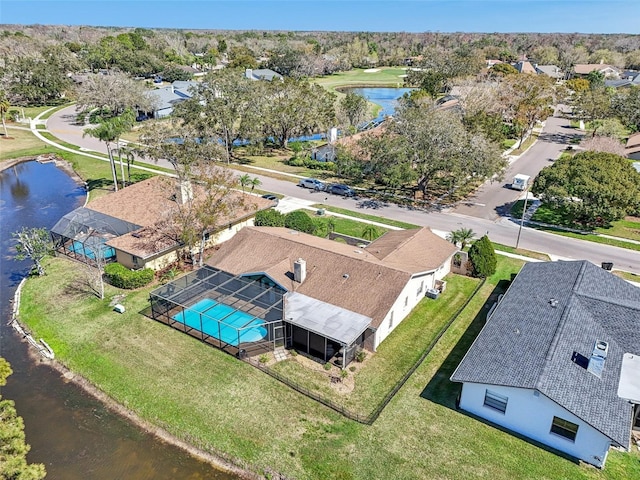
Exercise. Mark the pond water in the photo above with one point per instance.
(387, 98)
(74, 435)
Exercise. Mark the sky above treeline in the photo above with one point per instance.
(545, 16)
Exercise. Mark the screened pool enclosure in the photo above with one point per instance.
(251, 314)
(82, 234)
(239, 314)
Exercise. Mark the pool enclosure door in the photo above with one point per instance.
(278, 336)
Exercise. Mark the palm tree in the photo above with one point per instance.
(4, 108)
(245, 181)
(106, 132)
(255, 182)
(462, 236)
(370, 232)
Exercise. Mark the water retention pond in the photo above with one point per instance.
(73, 434)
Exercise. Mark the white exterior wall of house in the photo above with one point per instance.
(165, 112)
(411, 295)
(531, 415)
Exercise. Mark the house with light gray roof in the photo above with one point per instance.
(558, 360)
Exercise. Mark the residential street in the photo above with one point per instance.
(482, 218)
(492, 198)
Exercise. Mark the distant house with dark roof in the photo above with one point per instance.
(262, 74)
(628, 78)
(558, 360)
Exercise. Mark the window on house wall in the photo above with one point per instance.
(421, 288)
(391, 320)
(496, 401)
(406, 301)
(564, 428)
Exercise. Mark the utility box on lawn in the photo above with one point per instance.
(118, 308)
(520, 182)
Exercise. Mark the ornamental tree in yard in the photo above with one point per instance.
(595, 187)
(33, 244)
(483, 258)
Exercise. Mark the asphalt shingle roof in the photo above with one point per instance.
(529, 343)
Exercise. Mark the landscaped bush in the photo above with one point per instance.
(483, 258)
(269, 218)
(311, 164)
(121, 277)
(299, 220)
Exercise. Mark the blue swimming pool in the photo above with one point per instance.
(78, 247)
(223, 322)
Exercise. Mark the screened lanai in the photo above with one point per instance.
(241, 315)
(82, 234)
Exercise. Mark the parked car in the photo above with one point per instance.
(341, 189)
(271, 197)
(312, 183)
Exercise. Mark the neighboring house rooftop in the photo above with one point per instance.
(633, 144)
(363, 280)
(151, 201)
(587, 68)
(262, 74)
(524, 66)
(550, 317)
(166, 97)
(552, 71)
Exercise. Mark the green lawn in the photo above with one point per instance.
(530, 140)
(365, 216)
(383, 77)
(225, 406)
(395, 356)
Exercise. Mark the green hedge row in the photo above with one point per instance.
(121, 277)
(311, 164)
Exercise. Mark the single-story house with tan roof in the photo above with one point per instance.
(125, 226)
(584, 69)
(331, 298)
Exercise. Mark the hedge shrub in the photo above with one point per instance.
(269, 218)
(299, 220)
(121, 277)
(483, 258)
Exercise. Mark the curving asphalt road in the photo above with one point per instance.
(483, 216)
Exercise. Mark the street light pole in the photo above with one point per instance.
(524, 209)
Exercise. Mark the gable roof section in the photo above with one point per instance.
(151, 201)
(529, 343)
(524, 66)
(552, 71)
(633, 144)
(415, 250)
(338, 274)
(587, 68)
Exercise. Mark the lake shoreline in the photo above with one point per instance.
(67, 375)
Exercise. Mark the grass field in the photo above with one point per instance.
(381, 77)
(225, 406)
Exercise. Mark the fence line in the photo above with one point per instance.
(373, 416)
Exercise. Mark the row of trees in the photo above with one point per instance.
(38, 59)
(423, 146)
(229, 108)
